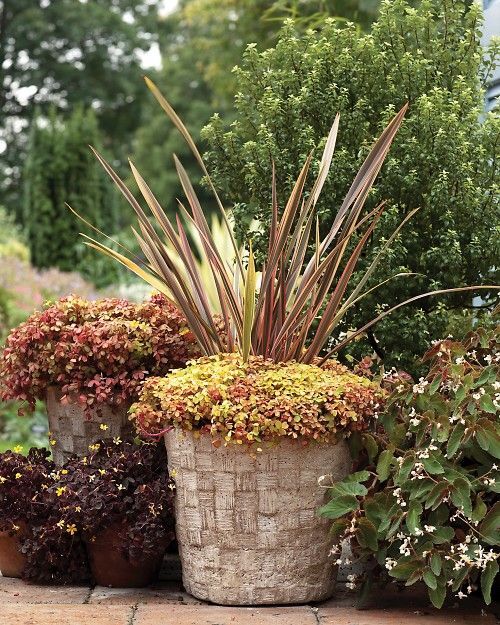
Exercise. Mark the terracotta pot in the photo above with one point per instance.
(248, 528)
(110, 568)
(73, 430)
(12, 561)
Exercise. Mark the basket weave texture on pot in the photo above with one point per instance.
(73, 430)
(248, 528)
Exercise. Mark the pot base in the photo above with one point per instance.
(110, 568)
(12, 561)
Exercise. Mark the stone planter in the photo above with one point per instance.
(248, 528)
(73, 430)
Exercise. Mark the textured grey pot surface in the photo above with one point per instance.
(73, 430)
(248, 528)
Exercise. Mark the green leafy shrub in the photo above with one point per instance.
(443, 159)
(250, 402)
(60, 168)
(426, 506)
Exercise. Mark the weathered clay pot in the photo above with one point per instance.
(12, 561)
(110, 568)
(248, 528)
(73, 430)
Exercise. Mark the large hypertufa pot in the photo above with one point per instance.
(248, 527)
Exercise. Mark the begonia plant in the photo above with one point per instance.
(95, 351)
(426, 504)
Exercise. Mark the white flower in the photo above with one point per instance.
(420, 387)
(390, 564)
(461, 595)
(429, 528)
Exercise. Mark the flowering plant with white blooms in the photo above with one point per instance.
(426, 504)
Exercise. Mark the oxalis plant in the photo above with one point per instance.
(305, 280)
(425, 505)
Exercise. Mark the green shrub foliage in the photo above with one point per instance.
(426, 504)
(61, 168)
(443, 159)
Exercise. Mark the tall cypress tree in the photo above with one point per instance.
(60, 168)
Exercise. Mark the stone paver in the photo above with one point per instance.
(160, 593)
(16, 591)
(399, 616)
(167, 604)
(58, 614)
(215, 615)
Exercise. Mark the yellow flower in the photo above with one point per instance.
(52, 441)
(183, 331)
(60, 524)
(104, 427)
(71, 529)
(94, 447)
(18, 449)
(60, 490)
(117, 440)
(78, 509)
(102, 471)
(64, 471)
(18, 476)
(173, 472)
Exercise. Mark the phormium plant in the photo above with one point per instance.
(97, 352)
(426, 505)
(297, 288)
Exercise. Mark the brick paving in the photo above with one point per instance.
(167, 604)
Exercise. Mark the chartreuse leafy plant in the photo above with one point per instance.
(427, 507)
(257, 400)
(271, 319)
(96, 351)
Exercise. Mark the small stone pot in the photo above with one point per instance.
(73, 430)
(12, 560)
(248, 527)
(110, 568)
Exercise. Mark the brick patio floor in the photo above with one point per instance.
(167, 604)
